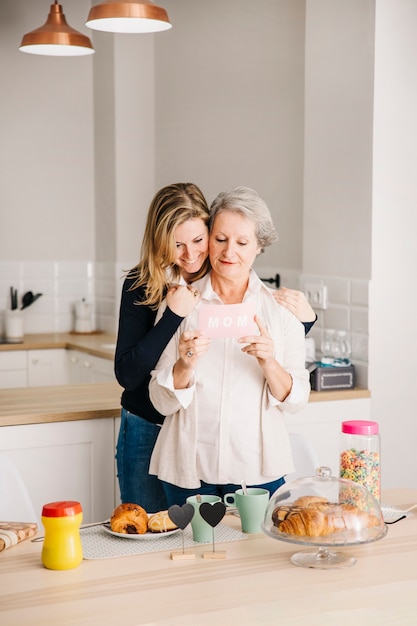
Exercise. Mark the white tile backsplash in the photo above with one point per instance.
(360, 293)
(338, 290)
(61, 284)
(337, 317)
(347, 309)
(10, 270)
(38, 270)
(75, 270)
(106, 297)
(359, 320)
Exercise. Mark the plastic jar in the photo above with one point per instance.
(62, 547)
(360, 456)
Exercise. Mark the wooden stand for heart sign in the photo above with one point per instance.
(213, 515)
(181, 516)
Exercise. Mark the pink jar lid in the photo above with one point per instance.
(64, 508)
(360, 427)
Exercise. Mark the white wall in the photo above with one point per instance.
(393, 299)
(229, 106)
(338, 138)
(46, 147)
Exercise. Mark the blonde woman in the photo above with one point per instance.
(174, 251)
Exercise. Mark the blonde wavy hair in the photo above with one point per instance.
(171, 206)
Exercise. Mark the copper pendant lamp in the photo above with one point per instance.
(128, 16)
(56, 38)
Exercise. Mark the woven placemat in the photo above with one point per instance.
(98, 544)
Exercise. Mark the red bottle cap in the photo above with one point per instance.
(61, 509)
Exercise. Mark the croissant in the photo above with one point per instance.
(307, 501)
(319, 518)
(160, 522)
(129, 519)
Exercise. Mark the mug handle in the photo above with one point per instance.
(230, 496)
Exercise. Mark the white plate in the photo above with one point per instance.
(144, 536)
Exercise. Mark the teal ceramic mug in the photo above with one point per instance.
(251, 507)
(202, 531)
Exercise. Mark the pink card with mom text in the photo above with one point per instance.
(228, 320)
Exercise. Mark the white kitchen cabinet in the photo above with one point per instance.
(56, 366)
(87, 368)
(66, 461)
(75, 369)
(47, 367)
(320, 423)
(103, 370)
(13, 369)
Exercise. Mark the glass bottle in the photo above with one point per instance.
(62, 547)
(360, 456)
(341, 348)
(327, 346)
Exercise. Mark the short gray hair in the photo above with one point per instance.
(246, 201)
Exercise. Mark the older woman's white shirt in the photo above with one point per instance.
(226, 426)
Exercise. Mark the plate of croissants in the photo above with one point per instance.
(131, 521)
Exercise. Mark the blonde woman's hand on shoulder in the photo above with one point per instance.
(182, 299)
(295, 302)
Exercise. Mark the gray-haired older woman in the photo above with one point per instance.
(225, 398)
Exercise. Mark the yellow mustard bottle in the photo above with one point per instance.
(62, 547)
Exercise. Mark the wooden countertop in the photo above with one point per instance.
(339, 394)
(37, 405)
(98, 343)
(255, 584)
(60, 403)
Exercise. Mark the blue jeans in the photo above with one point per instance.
(135, 444)
(179, 495)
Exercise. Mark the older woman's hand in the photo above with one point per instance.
(191, 346)
(260, 346)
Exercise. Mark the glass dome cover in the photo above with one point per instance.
(325, 512)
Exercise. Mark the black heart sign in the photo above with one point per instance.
(181, 515)
(212, 513)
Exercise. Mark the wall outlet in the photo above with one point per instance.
(316, 295)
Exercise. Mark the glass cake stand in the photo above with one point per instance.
(327, 513)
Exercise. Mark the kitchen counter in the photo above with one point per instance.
(97, 343)
(255, 584)
(59, 403)
(62, 403)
